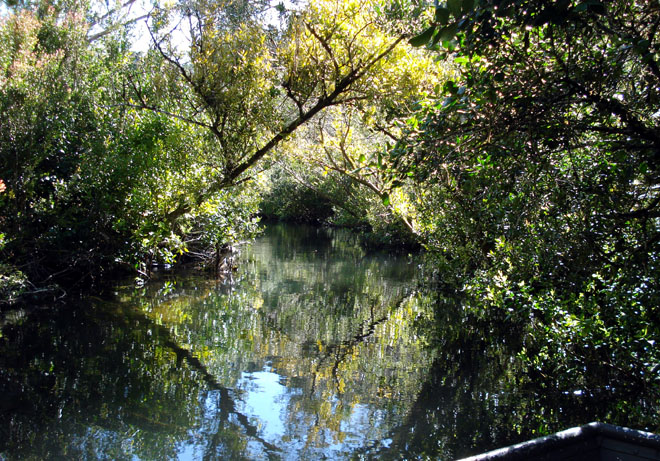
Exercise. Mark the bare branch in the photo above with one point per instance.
(115, 27)
(169, 114)
(113, 11)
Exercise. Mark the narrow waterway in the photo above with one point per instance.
(315, 348)
(308, 351)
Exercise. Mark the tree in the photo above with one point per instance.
(338, 158)
(537, 177)
(252, 86)
(48, 127)
(115, 158)
(87, 182)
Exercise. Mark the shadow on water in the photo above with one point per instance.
(479, 393)
(314, 349)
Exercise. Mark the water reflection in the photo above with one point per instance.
(480, 395)
(314, 349)
(308, 352)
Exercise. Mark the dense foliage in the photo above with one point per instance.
(89, 182)
(113, 158)
(517, 140)
(335, 171)
(537, 179)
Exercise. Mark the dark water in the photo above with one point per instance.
(309, 352)
(314, 349)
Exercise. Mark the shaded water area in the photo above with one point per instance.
(314, 349)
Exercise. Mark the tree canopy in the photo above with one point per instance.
(537, 177)
(116, 157)
(517, 141)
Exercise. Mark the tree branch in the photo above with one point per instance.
(114, 27)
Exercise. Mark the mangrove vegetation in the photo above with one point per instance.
(515, 142)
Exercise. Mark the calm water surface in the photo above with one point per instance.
(313, 349)
(308, 352)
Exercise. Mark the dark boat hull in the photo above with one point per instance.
(591, 442)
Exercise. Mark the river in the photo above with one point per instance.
(314, 348)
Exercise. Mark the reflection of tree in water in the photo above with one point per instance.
(479, 394)
(347, 339)
(334, 324)
(362, 373)
(332, 362)
(90, 383)
(167, 367)
(171, 367)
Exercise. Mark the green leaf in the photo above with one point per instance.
(386, 199)
(447, 33)
(455, 7)
(362, 158)
(448, 102)
(450, 87)
(441, 15)
(436, 39)
(423, 38)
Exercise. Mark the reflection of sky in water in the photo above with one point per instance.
(294, 362)
(189, 453)
(265, 399)
(267, 402)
